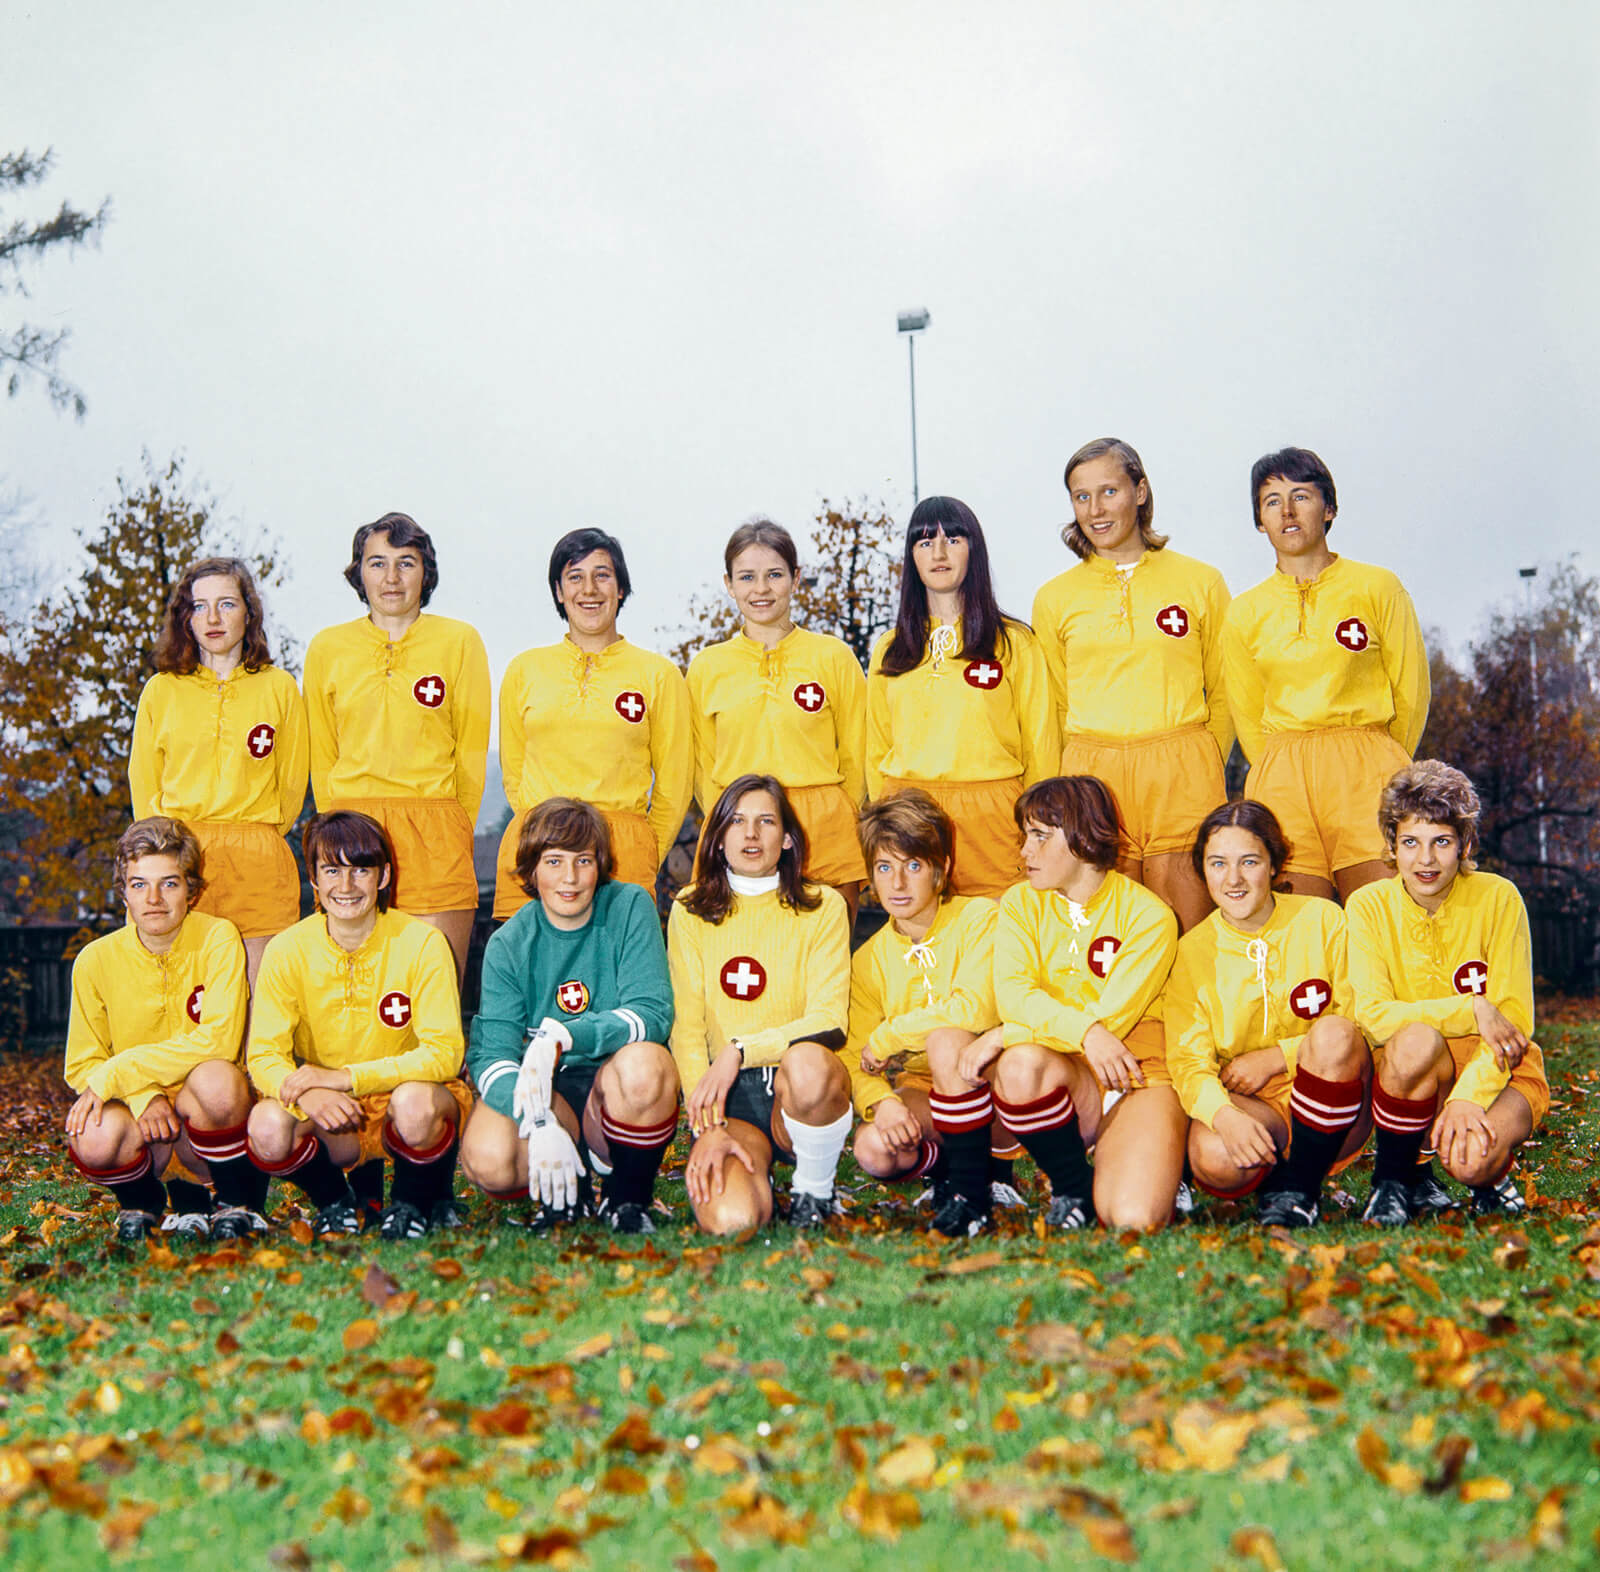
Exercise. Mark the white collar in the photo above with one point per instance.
(743, 884)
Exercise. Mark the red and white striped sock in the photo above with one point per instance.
(636, 1153)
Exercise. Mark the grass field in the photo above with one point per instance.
(1210, 1398)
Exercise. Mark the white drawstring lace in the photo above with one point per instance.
(1256, 951)
(921, 954)
(941, 642)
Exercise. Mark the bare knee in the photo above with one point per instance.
(639, 1078)
(270, 1132)
(1410, 1056)
(1124, 1211)
(873, 1155)
(740, 1207)
(1335, 1050)
(489, 1151)
(1024, 1074)
(215, 1095)
(943, 1047)
(113, 1143)
(419, 1112)
(812, 1084)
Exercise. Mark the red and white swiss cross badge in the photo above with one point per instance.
(744, 978)
(1309, 999)
(1173, 621)
(394, 1009)
(573, 996)
(983, 674)
(192, 1004)
(1102, 953)
(260, 740)
(630, 705)
(1471, 977)
(810, 697)
(428, 692)
(1352, 634)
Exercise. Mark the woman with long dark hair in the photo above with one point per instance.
(958, 697)
(219, 743)
(760, 963)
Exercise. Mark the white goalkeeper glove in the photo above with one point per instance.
(530, 1100)
(553, 1166)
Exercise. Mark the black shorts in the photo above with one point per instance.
(753, 1098)
(574, 1080)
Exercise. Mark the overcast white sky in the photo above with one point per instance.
(519, 268)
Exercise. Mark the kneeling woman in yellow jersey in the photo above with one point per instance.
(958, 696)
(1261, 1036)
(158, 1011)
(1442, 963)
(760, 963)
(783, 701)
(921, 987)
(398, 702)
(1133, 639)
(219, 742)
(1327, 681)
(355, 1042)
(596, 718)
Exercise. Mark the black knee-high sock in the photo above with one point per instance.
(134, 1185)
(1402, 1124)
(1048, 1127)
(234, 1177)
(963, 1120)
(1321, 1114)
(636, 1154)
(310, 1168)
(422, 1176)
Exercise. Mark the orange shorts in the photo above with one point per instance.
(633, 854)
(432, 840)
(1528, 1077)
(1165, 784)
(251, 878)
(988, 847)
(1147, 1042)
(833, 854)
(176, 1168)
(375, 1105)
(1324, 788)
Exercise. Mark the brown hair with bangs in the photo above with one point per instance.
(1083, 809)
(711, 897)
(347, 839)
(1435, 793)
(161, 837)
(911, 823)
(1256, 818)
(177, 650)
(563, 824)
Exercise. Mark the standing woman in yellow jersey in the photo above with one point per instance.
(1133, 639)
(958, 697)
(1262, 1042)
(780, 700)
(219, 743)
(1327, 680)
(398, 702)
(595, 718)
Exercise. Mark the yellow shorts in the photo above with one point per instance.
(1165, 783)
(251, 878)
(988, 847)
(1528, 1077)
(1324, 788)
(432, 841)
(633, 853)
(827, 815)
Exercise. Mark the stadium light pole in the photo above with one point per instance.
(912, 323)
(1527, 575)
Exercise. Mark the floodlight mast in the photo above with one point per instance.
(912, 323)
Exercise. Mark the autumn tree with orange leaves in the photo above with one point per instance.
(70, 678)
(849, 584)
(1521, 716)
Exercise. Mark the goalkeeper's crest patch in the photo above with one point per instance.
(573, 997)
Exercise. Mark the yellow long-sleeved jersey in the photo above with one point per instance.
(766, 974)
(408, 718)
(388, 1011)
(611, 729)
(1342, 649)
(1232, 992)
(1409, 965)
(952, 719)
(1060, 967)
(1136, 651)
(141, 1022)
(797, 711)
(901, 990)
(231, 749)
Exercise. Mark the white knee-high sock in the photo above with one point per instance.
(817, 1149)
